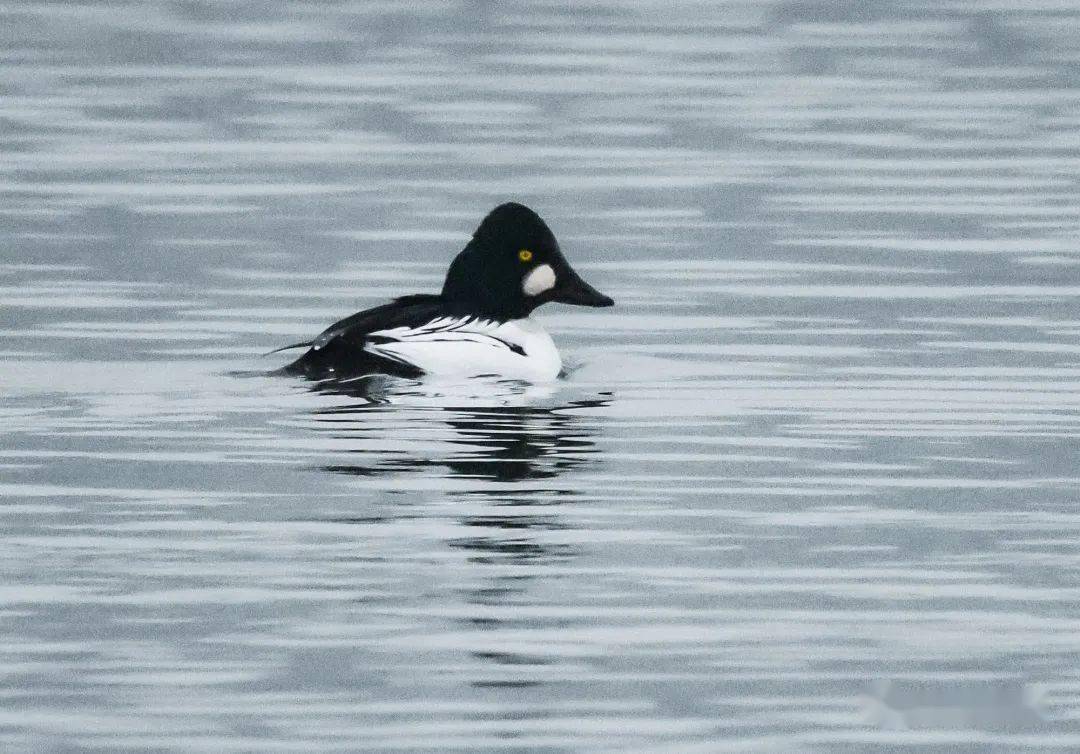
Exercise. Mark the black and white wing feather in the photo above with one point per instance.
(418, 335)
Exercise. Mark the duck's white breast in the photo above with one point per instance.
(518, 349)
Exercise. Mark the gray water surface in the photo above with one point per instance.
(811, 486)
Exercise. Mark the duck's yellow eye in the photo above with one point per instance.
(525, 255)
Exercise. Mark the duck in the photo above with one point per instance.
(479, 325)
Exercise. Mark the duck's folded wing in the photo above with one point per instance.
(339, 349)
(355, 328)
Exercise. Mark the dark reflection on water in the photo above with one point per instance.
(496, 443)
(499, 443)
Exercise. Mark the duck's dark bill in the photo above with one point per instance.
(576, 291)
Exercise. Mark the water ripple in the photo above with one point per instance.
(807, 488)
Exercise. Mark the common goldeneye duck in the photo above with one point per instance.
(478, 325)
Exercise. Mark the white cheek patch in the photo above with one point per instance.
(540, 279)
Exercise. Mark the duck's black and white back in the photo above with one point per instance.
(478, 325)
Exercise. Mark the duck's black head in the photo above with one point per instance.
(513, 265)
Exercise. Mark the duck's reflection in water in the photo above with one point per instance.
(509, 442)
(515, 459)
